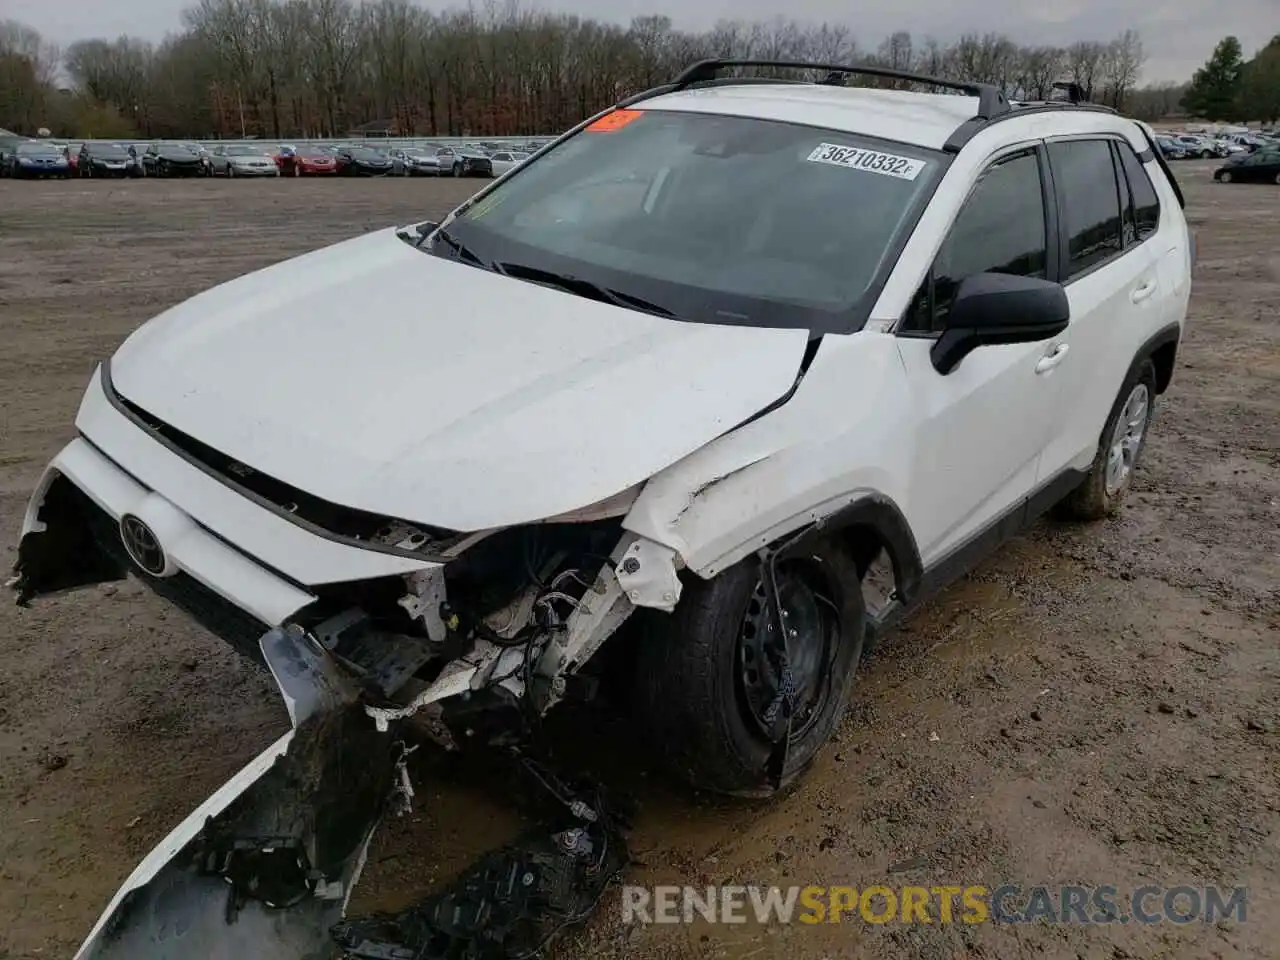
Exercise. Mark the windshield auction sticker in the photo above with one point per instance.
(872, 161)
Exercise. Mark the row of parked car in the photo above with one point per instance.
(1205, 146)
(41, 158)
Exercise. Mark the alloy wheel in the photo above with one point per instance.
(1126, 439)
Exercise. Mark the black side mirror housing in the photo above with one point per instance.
(997, 308)
(426, 228)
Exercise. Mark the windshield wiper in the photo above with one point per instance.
(461, 249)
(582, 287)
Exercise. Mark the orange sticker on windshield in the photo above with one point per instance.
(614, 120)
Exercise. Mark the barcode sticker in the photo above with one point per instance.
(872, 161)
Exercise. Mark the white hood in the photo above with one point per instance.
(378, 377)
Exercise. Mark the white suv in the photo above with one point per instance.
(769, 361)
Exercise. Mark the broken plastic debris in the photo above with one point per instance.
(514, 901)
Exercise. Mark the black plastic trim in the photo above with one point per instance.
(968, 554)
(881, 514)
(124, 410)
(1166, 335)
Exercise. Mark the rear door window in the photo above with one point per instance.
(1089, 202)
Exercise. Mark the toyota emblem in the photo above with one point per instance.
(141, 543)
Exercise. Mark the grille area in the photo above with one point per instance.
(221, 617)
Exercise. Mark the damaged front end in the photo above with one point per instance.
(266, 866)
(473, 649)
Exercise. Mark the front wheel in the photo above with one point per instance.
(1277, 178)
(1225, 176)
(709, 681)
(457, 169)
(1123, 439)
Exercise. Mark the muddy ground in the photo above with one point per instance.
(1095, 705)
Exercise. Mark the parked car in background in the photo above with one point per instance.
(503, 161)
(1246, 140)
(363, 162)
(306, 161)
(468, 162)
(1201, 146)
(1261, 166)
(8, 144)
(72, 152)
(106, 160)
(415, 162)
(172, 160)
(1172, 149)
(35, 159)
(242, 160)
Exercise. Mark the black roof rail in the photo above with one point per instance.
(967, 130)
(991, 99)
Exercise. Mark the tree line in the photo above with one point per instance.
(1228, 87)
(292, 68)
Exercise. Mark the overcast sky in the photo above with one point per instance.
(1178, 34)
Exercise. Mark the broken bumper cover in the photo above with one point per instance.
(265, 867)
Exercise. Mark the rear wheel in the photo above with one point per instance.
(708, 675)
(1122, 442)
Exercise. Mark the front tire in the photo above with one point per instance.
(704, 674)
(1121, 445)
(1225, 176)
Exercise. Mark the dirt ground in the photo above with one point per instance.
(1095, 705)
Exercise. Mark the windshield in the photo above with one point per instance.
(32, 149)
(245, 152)
(111, 152)
(363, 153)
(715, 218)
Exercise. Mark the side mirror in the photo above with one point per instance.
(426, 227)
(997, 308)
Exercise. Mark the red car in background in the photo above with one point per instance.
(72, 152)
(305, 161)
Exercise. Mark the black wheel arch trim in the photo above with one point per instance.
(880, 514)
(1172, 334)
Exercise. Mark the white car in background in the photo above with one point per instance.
(506, 160)
(751, 369)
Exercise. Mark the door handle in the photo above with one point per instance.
(1144, 291)
(1052, 358)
